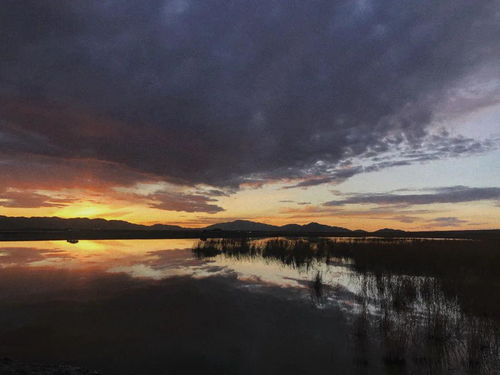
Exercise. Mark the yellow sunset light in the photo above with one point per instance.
(83, 210)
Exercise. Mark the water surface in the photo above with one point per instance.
(242, 307)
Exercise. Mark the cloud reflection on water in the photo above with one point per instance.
(156, 260)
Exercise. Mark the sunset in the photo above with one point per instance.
(174, 112)
(194, 143)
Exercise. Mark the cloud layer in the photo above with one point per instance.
(218, 93)
(454, 194)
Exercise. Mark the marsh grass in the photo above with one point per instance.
(434, 302)
(236, 248)
(317, 288)
(419, 326)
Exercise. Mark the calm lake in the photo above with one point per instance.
(294, 306)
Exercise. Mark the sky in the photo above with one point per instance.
(356, 113)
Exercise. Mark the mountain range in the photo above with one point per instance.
(53, 228)
(245, 225)
(55, 223)
(9, 223)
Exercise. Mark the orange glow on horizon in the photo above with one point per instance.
(275, 207)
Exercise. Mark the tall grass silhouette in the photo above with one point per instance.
(429, 305)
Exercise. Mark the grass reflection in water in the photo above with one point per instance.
(431, 305)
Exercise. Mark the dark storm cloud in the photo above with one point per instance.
(31, 171)
(455, 194)
(224, 93)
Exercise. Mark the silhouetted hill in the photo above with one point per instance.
(60, 224)
(165, 227)
(57, 223)
(316, 227)
(291, 227)
(246, 225)
(389, 232)
(53, 228)
(360, 231)
(243, 225)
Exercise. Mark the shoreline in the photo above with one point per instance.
(57, 235)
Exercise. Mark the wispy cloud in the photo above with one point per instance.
(455, 194)
(447, 222)
(183, 202)
(30, 199)
(396, 152)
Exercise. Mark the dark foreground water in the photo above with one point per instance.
(277, 306)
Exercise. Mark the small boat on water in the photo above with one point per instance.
(72, 241)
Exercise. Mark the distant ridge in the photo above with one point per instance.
(245, 225)
(316, 227)
(389, 231)
(56, 228)
(56, 223)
